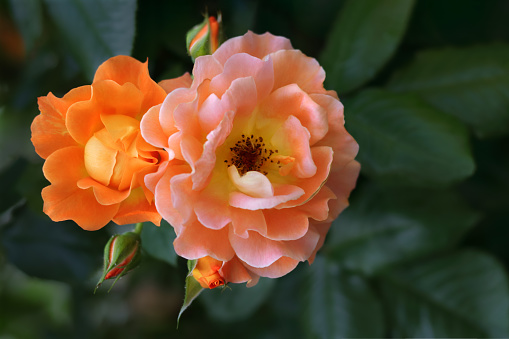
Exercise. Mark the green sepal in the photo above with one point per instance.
(123, 247)
(193, 288)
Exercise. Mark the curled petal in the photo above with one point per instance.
(253, 183)
(282, 194)
(184, 81)
(253, 44)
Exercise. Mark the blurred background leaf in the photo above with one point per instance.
(94, 30)
(471, 83)
(405, 141)
(363, 38)
(158, 242)
(386, 227)
(464, 294)
(340, 305)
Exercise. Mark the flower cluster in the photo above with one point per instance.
(248, 159)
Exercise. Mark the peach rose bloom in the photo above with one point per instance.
(260, 161)
(96, 158)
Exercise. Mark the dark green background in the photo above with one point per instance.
(422, 251)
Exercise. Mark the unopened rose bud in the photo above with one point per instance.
(204, 39)
(121, 254)
(207, 273)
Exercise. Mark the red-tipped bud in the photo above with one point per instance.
(121, 254)
(207, 273)
(205, 38)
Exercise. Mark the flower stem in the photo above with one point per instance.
(138, 228)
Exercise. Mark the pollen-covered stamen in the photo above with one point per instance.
(250, 154)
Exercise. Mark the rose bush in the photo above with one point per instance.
(96, 159)
(259, 160)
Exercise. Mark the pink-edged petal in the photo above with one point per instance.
(291, 100)
(164, 196)
(172, 101)
(196, 241)
(322, 157)
(212, 211)
(286, 224)
(318, 206)
(211, 112)
(295, 138)
(151, 129)
(243, 65)
(258, 251)
(252, 183)
(152, 179)
(235, 272)
(246, 220)
(183, 81)
(174, 146)
(242, 96)
(103, 194)
(205, 67)
(342, 182)
(205, 164)
(183, 196)
(310, 74)
(282, 194)
(279, 268)
(253, 44)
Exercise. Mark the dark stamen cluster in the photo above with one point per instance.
(249, 154)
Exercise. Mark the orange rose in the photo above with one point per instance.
(261, 162)
(96, 158)
(207, 273)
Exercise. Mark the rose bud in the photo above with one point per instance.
(203, 39)
(121, 255)
(207, 273)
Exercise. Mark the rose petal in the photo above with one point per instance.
(258, 251)
(256, 45)
(282, 194)
(291, 100)
(63, 168)
(286, 224)
(234, 271)
(103, 194)
(151, 129)
(246, 220)
(243, 65)
(183, 81)
(310, 74)
(253, 183)
(136, 209)
(279, 268)
(196, 241)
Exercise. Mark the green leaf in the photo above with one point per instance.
(471, 83)
(158, 242)
(95, 30)
(28, 16)
(384, 227)
(193, 288)
(236, 301)
(340, 305)
(405, 141)
(59, 251)
(362, 40)
(464, 294)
